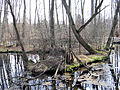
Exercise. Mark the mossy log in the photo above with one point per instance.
(51, 65)
(85, 60)
(53, 59)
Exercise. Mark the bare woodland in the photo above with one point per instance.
(74, 32)
(72, 40)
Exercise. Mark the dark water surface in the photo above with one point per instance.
(103, 76)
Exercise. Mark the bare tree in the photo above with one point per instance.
(24, 20)
(24, 56)
(115, 21)
(82, 10)
(5, 19)
(63, 15)
(76, 32)
(95, 32)
(45, 14)
(1, 6)
(30, 12)
(69, 28)
(52, 35)
(30, 30)
(57, 14)
(35, 14)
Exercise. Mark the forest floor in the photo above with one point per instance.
(81, 61)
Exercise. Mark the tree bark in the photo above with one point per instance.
(45, 14)
(52, 35)
(30, 13)
(95, 32)
(69, 28)
(77, 35)
(24, 20)
(63, 15)
(82, 10)
(57, 15)
(35, 14)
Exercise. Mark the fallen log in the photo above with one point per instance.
(44, 66)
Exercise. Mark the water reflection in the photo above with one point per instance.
(104, 77)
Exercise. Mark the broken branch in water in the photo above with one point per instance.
(58, 68)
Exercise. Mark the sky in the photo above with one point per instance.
(41, 9)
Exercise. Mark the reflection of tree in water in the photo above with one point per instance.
(4, 73)
(12, 74)
(116, 70)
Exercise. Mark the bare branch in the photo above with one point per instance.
(96, 10)
(93, 16)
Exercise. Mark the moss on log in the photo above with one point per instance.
(86, 60)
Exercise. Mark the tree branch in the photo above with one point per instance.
(96, 9)
(94, 15)
(77, 35)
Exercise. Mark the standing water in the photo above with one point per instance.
(103, 76)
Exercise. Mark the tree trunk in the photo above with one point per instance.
(69, 28)
(77, 35)
(44, 14)
(95, 32)
(24, 20)
(115, 20)
(24, 56)
(82, 10)
(52, 35)
(57, 15)
(1, 6)
(63, 15)
(35, 14)
(30, 13)
(5, 20)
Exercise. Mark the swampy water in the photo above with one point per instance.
(103, 76)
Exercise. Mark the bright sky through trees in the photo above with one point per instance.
(41, 11)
